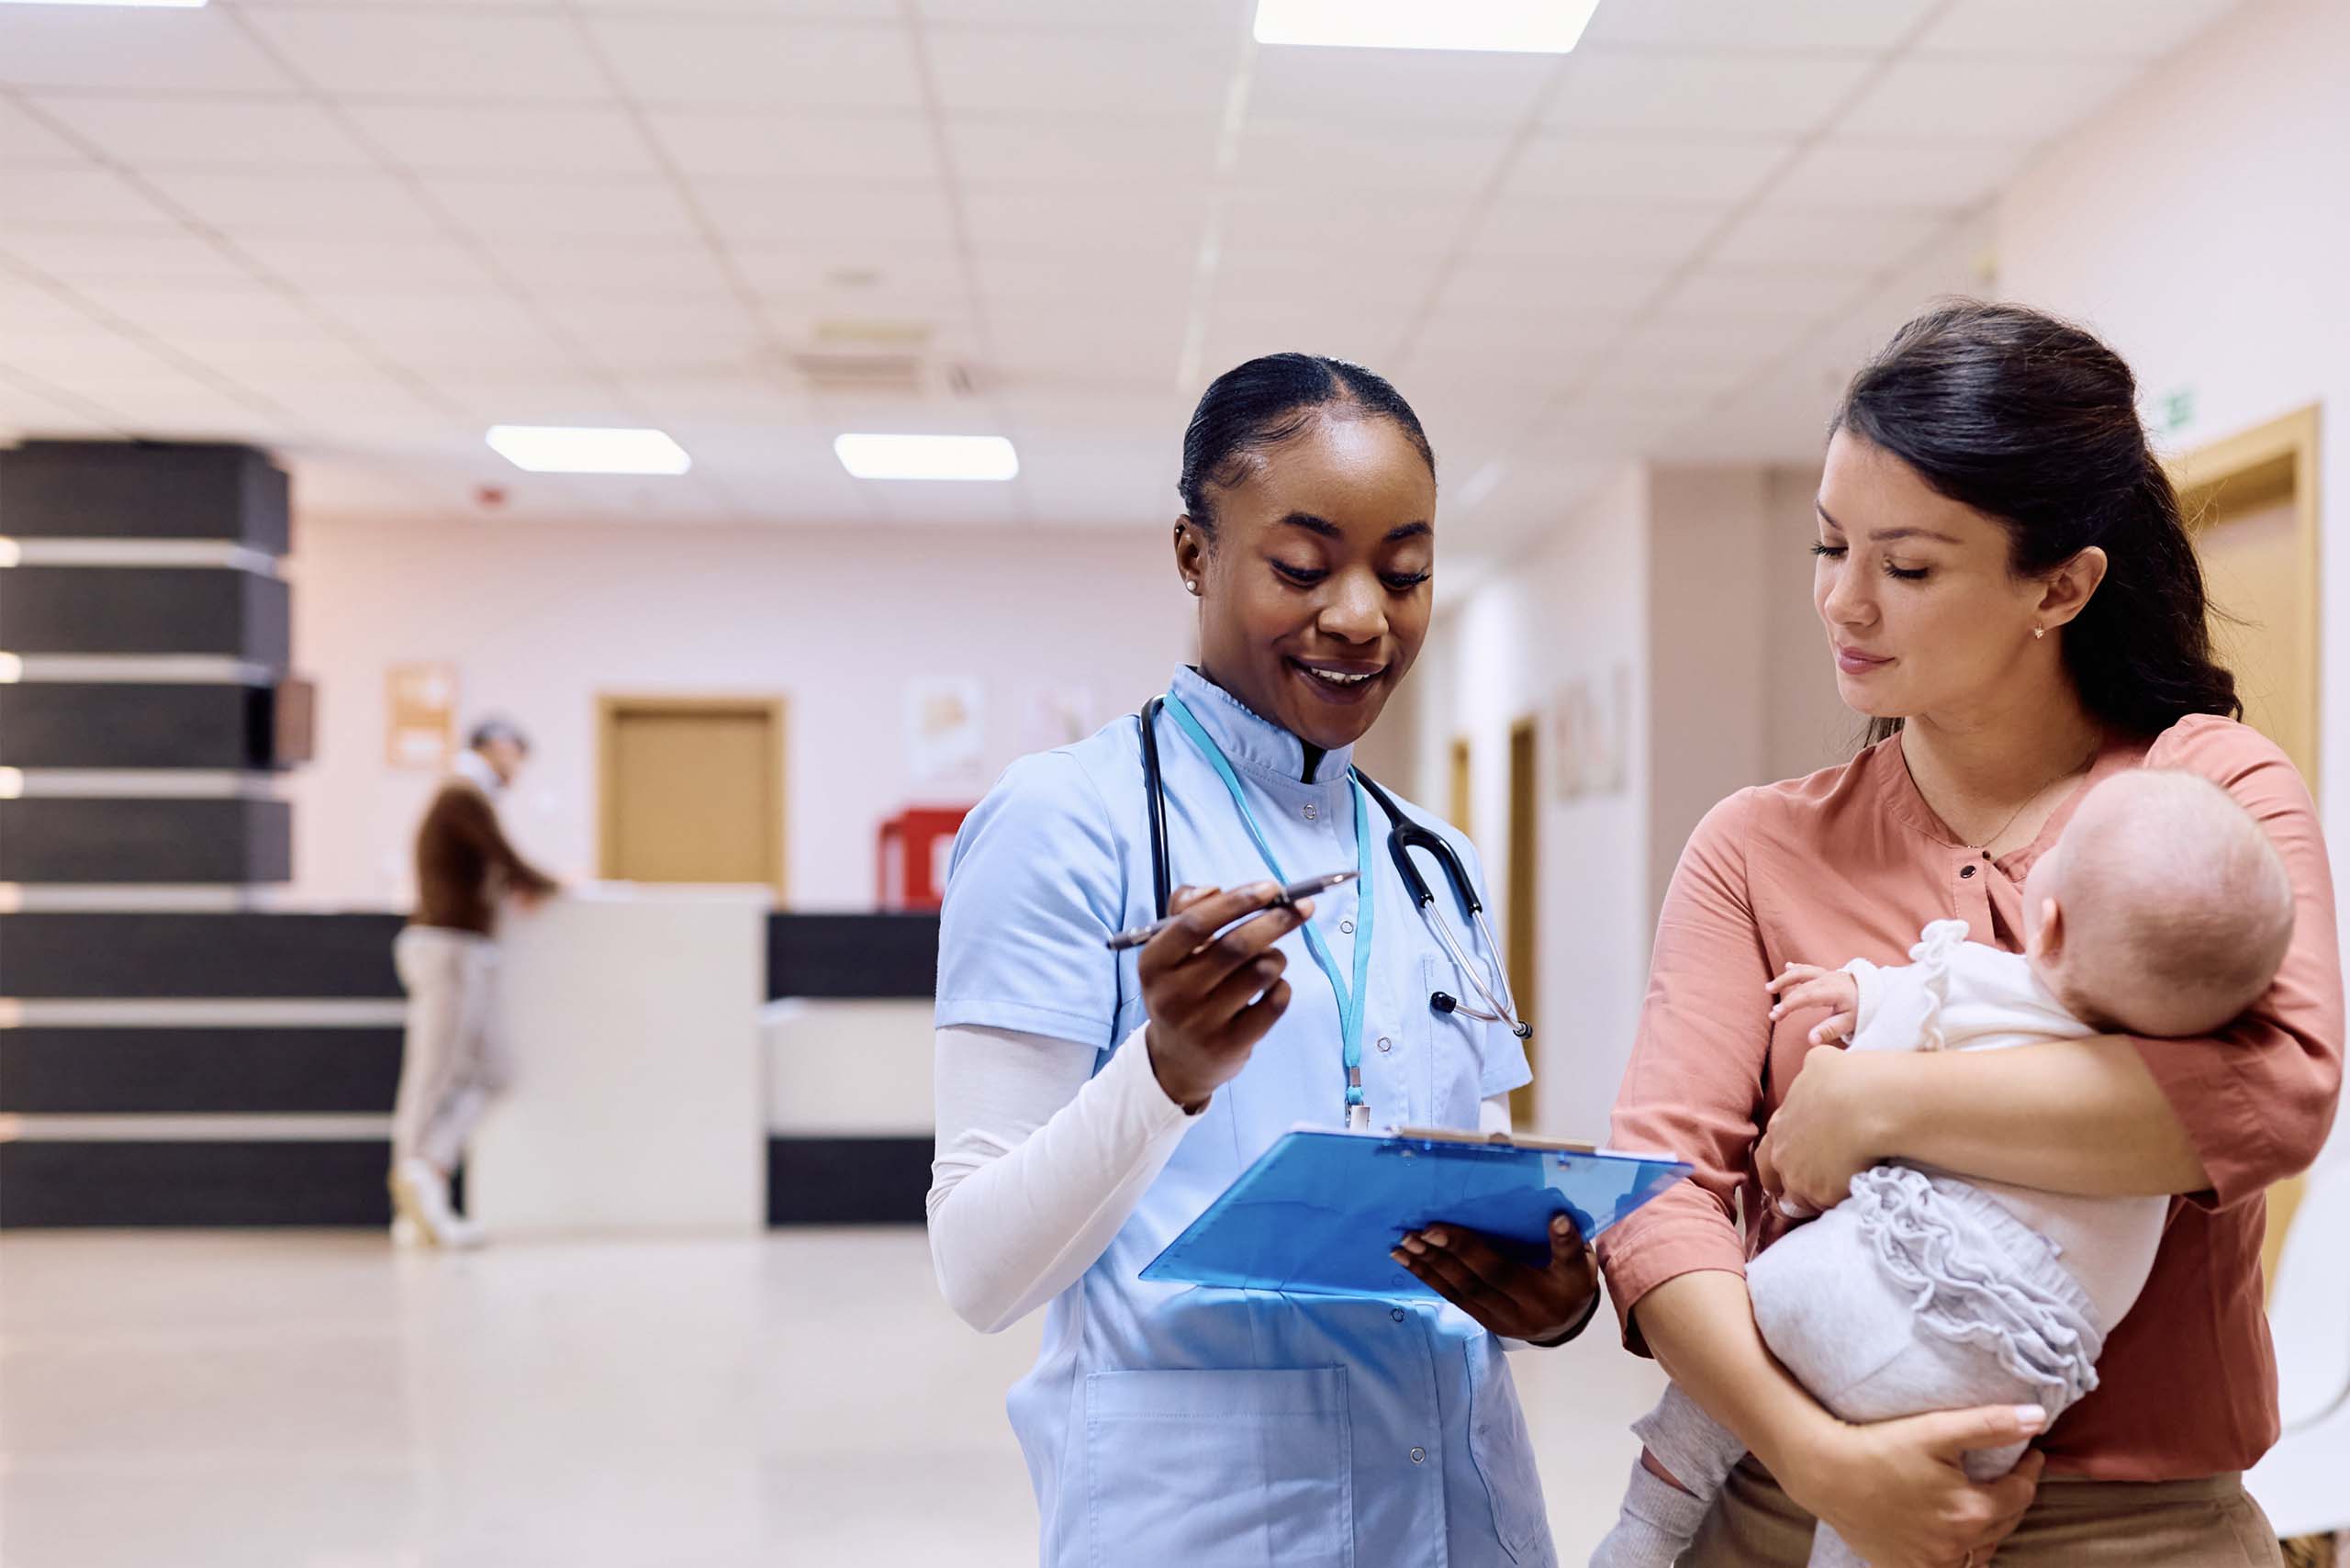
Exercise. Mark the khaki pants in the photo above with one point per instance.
(453, 1059)
(2074, 1524)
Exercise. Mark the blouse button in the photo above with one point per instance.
(1965, 871)
(1348, 926)
(1385, 1044)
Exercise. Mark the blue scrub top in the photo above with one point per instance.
(1215, 1429)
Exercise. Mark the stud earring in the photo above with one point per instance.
(2037, 632)
(1190, 587)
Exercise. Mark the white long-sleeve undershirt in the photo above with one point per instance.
(1040, 1160)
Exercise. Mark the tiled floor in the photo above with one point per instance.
(318, 1401)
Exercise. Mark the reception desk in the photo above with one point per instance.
(632, 1013)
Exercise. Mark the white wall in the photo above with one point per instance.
(539, 621)
(1575, 607)
(2200, 223)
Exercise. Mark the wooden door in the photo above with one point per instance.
(1459, 802)
(693, 790)
(2251, 502)
(1525, 895)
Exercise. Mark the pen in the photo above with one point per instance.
(1135, 937)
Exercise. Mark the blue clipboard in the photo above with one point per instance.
(1318, 1213)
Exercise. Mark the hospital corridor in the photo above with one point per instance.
(1173, 783)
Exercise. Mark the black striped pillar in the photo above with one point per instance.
(171, 1053)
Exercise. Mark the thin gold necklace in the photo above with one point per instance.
(2081, 767)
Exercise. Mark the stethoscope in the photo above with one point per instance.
(1500, 1007)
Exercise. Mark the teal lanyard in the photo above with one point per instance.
(1351, 998)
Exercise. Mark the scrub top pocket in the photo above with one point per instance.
(1243, 1468)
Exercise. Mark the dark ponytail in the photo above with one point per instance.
(1263, 403)
(2034, 421)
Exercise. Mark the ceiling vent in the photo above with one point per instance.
(870, 357)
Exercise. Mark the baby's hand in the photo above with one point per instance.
(1808, 985)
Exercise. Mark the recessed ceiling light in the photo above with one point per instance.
(579, 448)
(927, 457)
(152, 5)
(1520, 27)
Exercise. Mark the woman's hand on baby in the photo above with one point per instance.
(1211, 998)
(1825, 1132)
(1896, 1492)
(1544, 1305)
(1801, 986)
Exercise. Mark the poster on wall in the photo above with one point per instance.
(946, 731)
(1590, 735)
(420, 716)
(1056, 716)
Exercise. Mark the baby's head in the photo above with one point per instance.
(2162, 911)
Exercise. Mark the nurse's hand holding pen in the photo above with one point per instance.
(1211, 998)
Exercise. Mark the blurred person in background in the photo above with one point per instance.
(454, 1061)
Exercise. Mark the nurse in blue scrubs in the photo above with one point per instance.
(1090, 1104)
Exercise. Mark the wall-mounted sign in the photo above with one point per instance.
(1591, 739)
(945, 730)
(420, 716)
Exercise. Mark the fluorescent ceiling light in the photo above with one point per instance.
(575, 448)
(1519, 27)
(927, 457)
(156, 4)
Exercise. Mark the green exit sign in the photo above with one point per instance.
(2176, 410)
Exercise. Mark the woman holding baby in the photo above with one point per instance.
(2056, 1243)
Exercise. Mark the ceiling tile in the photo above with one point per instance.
(2134, 29)
(1942, 175)
(1849, 242)
(1993, 99)
(333, 206)
(1481, 288)
(1378, 278)
(1196, 18)
(1030, 73)
(333, 260)
(164, 311)
(704, 63)
(151, 256)
(1799, 293)
(777, 212)
(554, 209)
(25, 142)
(141, 51)
(1380, 86)
(1305, 154)
(857, 276)
(671, 267)
(1107, 218)
(1619, 168)
(154, 131)
(760, 10)
(35, 198)
(800, 147)
(1053, 275)
(1421, 222)
(1868, 26)
(1081, 147)
(1695, 94)
(1633, 233)
(453, 138)
(468, 52)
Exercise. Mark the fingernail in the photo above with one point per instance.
(1436, 1238)
(1398, 1255)
(1415, 1246)
(1264, 890)
(2030, 1417)
(1560, 1224)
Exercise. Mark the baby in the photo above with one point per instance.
(2163, 910)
